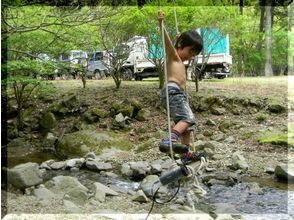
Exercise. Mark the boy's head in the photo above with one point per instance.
(189, 44)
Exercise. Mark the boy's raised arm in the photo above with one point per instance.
(169, 48)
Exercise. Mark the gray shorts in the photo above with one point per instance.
(178, 104)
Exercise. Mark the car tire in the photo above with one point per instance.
(97, 74)
(127, 74)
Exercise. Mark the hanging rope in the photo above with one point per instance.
(166, 86)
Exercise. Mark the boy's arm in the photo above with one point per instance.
(169, 48)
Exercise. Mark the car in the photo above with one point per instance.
(98, 69)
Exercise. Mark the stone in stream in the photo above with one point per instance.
(285, 172)
(25, 175)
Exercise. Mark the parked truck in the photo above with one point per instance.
(138, 63)
(215, 59)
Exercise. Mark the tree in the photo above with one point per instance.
(268, 43)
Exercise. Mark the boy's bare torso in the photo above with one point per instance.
(176, 70)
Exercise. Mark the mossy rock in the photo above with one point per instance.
(276, 138)
(77, 144)
(210, 100)
(276, 108)
(48, 121)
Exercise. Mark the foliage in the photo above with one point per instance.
(30, 30)
(261, 117)
(275, 138)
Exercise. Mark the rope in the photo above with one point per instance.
(166, 86)
(194, 173)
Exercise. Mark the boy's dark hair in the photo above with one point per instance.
(190, 38)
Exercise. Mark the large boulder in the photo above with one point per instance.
(69, 186)
(79, 143)
(25, 175)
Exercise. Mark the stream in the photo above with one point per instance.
(272, 197)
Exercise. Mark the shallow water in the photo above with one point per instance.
(276, 198)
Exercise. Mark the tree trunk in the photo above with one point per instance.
(290, 42)
(268, 41)
(240, 53)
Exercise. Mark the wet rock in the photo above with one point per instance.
(239, 162)
(255, 188)
(101, 191)
(78, 163)
(285, 172)
(140, 169)
(126, 170)
(150, 184)
(140, 197)
(98, 165)
(58, 165)
(24, 175)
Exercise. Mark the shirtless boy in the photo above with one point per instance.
(188, 45)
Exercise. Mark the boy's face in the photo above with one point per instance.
(186, 53)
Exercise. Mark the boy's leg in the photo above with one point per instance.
(177, 133)
(186, 138)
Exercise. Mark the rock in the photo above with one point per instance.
(101, 191)
(90, 155)
(218, 111)
(143, 115)
(98, 165)
(239, 162)
(140, 169)
(78, 163)
(150, 184)
(48, 121)
(156, 168)
(276, 108)
(70, 207)
(49, 142)
(79, 143)
(270, 170)
(43, 193)
(224, 126)
(24, 175)
(285, 172)
(119, 121)
(58, 165)
(230, 140)
(70, 186)
(255, 188)
(210, 122)
(126, 170)
(140, 197)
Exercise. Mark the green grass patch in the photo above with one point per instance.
(277, 138)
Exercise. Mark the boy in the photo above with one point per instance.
(188, 45)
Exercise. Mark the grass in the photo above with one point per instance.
(274, 88)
